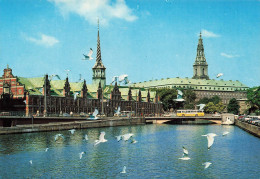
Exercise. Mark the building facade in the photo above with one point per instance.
(202, 85)
(43, 96)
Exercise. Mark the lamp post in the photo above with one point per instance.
(45, 96)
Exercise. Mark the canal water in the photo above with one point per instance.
(155, 155)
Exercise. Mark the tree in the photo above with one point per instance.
(215, 99)
(253, 99)
(204, 100)
(167, 97)
(220, 107)
(210, 108)
(189, 96)
(233, 106)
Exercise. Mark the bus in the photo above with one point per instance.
(189, 112)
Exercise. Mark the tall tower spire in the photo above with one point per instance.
(99, 70)
(200, 67)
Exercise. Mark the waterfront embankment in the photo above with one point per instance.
(56, 126)
(252, 129)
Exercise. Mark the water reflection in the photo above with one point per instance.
(154, 156)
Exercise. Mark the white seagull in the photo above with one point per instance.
(118, 138)
(114, 79)
(219, 75)
(133, 141)
(81, 154)
(86, 137)
(123, 78)
(207, 164)
(124, 170)
(94, 115)
(185, 154)
(75, 95)
(117, 112)
(101, 138)
(58, 136)
(30, 162)
(126, 137)
(67, 71)
(210, 137)
(201, 106)
(72, 131)
(89, 56)
(225, 133)
(46, 149)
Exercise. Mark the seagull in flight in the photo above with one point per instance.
(225, 133)
(86, 137)
(117, 112)
(124, 170)
(46, 149)
(126, 137)
(133, 141)
(94, 115)
(118, 138)
(30, 162)
(201, 106)
(207, 164)
(54, 75)
(219, 75)
(210, 137)
(185, 154)
(58, 136)
(75, 95)
(67, 71)
(101, 139)
(89, 56)
(123, 78)
(114, 79)
(81, 154)
(72, 131)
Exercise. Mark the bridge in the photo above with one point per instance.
(184, 120)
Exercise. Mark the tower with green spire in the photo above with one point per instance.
(99, 70)
(200, 67)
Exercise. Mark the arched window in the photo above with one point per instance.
(202, 71)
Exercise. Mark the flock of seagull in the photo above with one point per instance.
(125, 137)
(210, 138)
(129, 136)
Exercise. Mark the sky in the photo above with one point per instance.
(146, 39)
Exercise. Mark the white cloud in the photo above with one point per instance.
(90, 10)
(44, 40)
(208, 34)
(228, 55)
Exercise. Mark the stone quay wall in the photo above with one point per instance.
(252, 129)
(56, 126)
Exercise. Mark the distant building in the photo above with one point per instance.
(39, 96)
(200, 82)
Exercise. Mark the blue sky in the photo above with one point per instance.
(146, 39)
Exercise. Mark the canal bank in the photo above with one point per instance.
(56, 126)
(252, 129)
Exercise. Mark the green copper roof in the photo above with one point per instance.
(188, 82)
(35, 87)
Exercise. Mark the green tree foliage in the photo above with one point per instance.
(233, 106)
(215, 99)
(167, 97)
(205, 100)
(190, 97)
(212, 108)
(253, 99)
